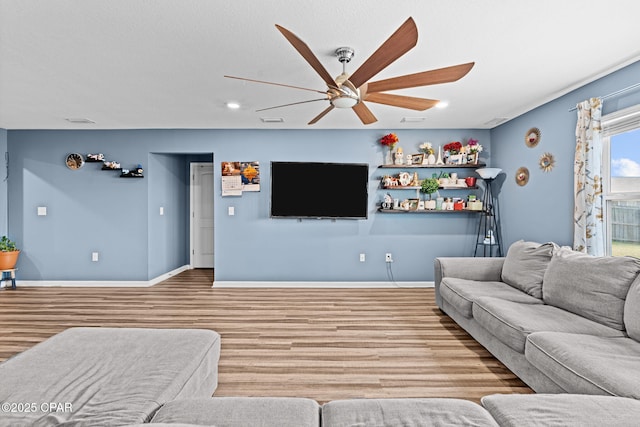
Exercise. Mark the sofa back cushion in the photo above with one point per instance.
(632, 310)
(591, 287)
(525, 265)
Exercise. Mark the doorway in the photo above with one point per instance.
(201, 216)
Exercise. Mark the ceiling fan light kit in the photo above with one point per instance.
(351, 91)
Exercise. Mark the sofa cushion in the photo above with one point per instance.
(110, 376)
(562, 410)
(404, 412)
(593, 287)
(461, 293)
(525, 264)
(511, 322)
(241, 411)
(586, 363)
(632, 310)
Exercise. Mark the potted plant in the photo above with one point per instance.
(429, 186)
(8, 253)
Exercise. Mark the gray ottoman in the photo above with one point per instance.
(405, 412)
(107, 376)
(241, 412)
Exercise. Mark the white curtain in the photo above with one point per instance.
(588, 234)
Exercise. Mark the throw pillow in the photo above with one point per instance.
(525, 265)
(591, 287)
(631, 311)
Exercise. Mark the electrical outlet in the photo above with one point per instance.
(388, 258)
(362, 258)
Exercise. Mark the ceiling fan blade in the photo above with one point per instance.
(393, 48)
(293, 103)
(321, 115)
(276, 84)
(308, 55)
(401, 101)
(365, 115)
(425, 78)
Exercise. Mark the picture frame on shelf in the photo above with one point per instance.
(472, 158)
(413, 204)
(455, 159)
(417, 159)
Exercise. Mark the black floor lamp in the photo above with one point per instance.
(489, 236)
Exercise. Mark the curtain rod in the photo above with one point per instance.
(612, 94)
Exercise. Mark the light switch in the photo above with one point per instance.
(161, 210)
(94, 256)
(42, 211)
(232, 210)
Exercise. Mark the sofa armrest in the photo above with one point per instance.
(484, 269)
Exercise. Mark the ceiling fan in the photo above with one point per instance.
(350, 91)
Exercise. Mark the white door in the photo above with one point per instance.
(202, 215)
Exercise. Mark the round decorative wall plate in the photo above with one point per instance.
(74, 161)
(547, 162)
(532, 137)
(522, 176)
(404, 178)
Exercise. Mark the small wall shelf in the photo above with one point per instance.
(446, 187)
(433, 211)
(447, 166)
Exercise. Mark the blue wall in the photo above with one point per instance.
(168, 233)
(543, 209)
(92, 210)
(3, 185)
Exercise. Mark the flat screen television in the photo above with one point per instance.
(319, 190)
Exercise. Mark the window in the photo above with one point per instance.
(621, 143)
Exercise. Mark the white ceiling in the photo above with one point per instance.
(160, 63)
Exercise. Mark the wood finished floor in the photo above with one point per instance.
(324, 344)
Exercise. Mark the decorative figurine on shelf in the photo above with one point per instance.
(399, 156)
(137, 172)
(95, 157)
(389, 181)
(388, 202)
(110, 165)
(409, 159)
(415, 181)
(439, 161)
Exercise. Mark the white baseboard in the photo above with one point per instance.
(104, 283)
(363, 285)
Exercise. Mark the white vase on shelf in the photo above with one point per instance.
(431, 159)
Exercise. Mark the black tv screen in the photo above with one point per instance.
(319, 190)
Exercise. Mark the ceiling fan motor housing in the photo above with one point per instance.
(345, 54)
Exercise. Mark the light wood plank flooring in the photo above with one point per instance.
(323, 344)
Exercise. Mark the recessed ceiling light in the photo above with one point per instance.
(442, 104)
(272, 119)
(412, 119)
(233, 105)
(80, 120)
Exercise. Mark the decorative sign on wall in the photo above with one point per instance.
(240, 176)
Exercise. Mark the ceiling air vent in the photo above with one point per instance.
(495, 122)
(80, 120)
(272, 119)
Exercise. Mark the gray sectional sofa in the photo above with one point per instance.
(563, 321)
(567, 324)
